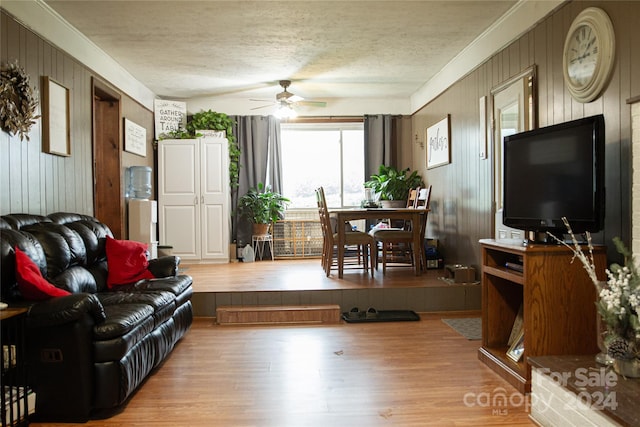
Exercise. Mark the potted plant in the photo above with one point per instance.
(261, 206)
(211, 120)
(392, 184)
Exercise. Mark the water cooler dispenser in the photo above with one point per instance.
(143, 213)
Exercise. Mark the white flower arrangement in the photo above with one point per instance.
(619, 298)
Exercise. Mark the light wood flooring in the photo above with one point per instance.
(299, 274)
(386, 374)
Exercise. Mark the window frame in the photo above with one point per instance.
(341, 126)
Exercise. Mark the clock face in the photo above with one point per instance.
(582, 55)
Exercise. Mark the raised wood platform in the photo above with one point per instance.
(303, 282)
(271, 314)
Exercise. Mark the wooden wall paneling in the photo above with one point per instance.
(630, 66)
(572, 108)
(144, 117)
(80, 158)
(87, 168)
(559, 91)
(50, 188)
(540, 59)
(515, 65)
(4, 137)
(542, 46)
(30, 180)
(32, 67)
(15, 162)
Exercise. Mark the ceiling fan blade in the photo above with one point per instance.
(312, 103)
(295, 98)
(262, 100)
(262, 106)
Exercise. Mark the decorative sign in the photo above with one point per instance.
(135, 138)
(208, 133)
(169, 116)
(55, 118)
(438, 144)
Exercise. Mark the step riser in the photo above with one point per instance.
(268, 315)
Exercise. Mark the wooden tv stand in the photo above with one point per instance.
(558, 300)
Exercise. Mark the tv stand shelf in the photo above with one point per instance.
(557, 299)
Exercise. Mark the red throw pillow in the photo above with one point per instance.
(31, 284)
(127, 262)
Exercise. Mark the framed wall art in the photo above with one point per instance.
(135, 138)
(517, 348)
(56, 135)
(439, 144)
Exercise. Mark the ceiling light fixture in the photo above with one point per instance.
(285, 111)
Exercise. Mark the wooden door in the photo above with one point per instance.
(108, 202)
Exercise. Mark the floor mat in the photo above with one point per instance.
(380, 316)
(468, 327)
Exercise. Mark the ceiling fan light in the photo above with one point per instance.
(285, 112)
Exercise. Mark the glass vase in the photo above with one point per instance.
(601, 330)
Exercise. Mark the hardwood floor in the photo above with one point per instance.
(386, 374)
(299, 274)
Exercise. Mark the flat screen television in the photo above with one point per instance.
(553, 172)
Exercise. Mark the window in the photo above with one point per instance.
(330, 155)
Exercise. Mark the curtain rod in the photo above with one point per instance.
(335, 119)
(326, 119)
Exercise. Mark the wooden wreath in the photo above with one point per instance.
(18, 102)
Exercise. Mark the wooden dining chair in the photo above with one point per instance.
(396, 243)
(363, 242)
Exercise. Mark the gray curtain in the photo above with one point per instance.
(379, 142)
(259, 141)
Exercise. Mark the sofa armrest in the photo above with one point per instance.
(67, 309)
(166, 266)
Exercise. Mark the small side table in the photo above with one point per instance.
(16, 399)
(259, 241)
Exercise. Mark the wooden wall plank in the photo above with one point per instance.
(35, 182)
(466, 177)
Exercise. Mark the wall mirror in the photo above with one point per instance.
(514, 109)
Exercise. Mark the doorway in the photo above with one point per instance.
(108, 193)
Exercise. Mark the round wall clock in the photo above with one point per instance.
(589, 51)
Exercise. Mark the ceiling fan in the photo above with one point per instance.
(286, 100)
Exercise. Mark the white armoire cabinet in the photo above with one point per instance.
(194, 199)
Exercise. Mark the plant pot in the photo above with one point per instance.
(393, 204)
(165, 250)
(628, 368)
(260, 229)
(233, 252)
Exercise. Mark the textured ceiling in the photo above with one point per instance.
(341, 49)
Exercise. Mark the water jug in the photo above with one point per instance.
(139, 182)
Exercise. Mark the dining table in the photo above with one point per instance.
(416, 215)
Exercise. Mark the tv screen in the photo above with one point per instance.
(554, 172)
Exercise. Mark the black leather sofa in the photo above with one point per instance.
(90, 350)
